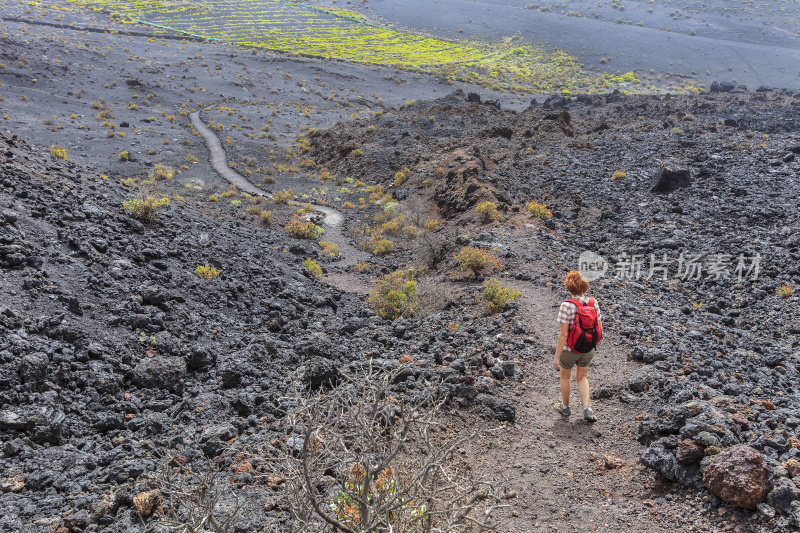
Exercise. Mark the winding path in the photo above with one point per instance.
(332, 220)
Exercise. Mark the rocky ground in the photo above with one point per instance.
(653, 184)
(116, 355)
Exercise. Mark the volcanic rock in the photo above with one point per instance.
(739, 475)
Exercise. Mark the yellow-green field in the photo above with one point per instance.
(292, 27)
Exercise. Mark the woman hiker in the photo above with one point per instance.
(575, 346)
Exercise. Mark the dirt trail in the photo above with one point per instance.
(332, 220)
(557, 465)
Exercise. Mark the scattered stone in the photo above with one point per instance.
(14, 484)
(146, 503)
(611, 462)
(161, 372)
(689, 452)
(783, 495)
(320, 372)
(767, 511)
(498, 408)
(672, 176)
(739, 475)
(792, 467)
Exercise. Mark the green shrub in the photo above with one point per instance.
(313, 267)
(785, 291)
(124, 155)
(378, 245)
(401, 176)
(283, 197)
(303, 230)
(162, 172)
(538, 210)
(59, 152)
(488, 210)
(478, 261)
(498, 296)
(329, 248)
(206, 271)
(395, 295)
(145, 207)
(266, 217)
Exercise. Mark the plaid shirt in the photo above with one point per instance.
(568, 310)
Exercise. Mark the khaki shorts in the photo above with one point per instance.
(569, 359)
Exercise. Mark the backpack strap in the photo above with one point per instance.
(578, 304)
(590, 302)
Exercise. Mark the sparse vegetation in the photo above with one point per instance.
(784, 291)
(395, 295)
(431, 224)
(538, 210)
(283, 197)
(329, 248)
(498, 296)
(206, 271)
(488, 210)
(124, 156)
(401, 176)
(162, 172)
(303, 230)
(378, 245)
(360, 266)
(477, 261)
(312, 267)
(266, 217)
(59, 152)
(145, 208)
(618, 174)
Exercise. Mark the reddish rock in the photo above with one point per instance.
(689, 452)
(406, 359)
(275, 481)
(242, 468)
(611, 462)
(739, 476)
(793, 467)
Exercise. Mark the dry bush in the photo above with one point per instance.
(195, 501)
(431, 250)
(365, 461)
(432, 297)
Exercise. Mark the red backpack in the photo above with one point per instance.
(585, 332)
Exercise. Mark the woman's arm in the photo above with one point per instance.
(562, 339)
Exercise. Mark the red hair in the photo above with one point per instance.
(575, 283)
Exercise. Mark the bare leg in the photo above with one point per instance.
(582, 380)
(565, 388)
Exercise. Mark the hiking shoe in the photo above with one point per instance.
(563, 409)
(589, 415)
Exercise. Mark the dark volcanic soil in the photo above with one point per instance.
(754, 43)
(114, 354)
